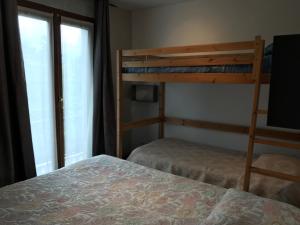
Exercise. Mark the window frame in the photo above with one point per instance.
(56, 18)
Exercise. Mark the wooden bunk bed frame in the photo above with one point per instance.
(236, 53)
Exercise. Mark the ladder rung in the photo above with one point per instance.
(275, 174)
(277, 143)
(262, 111)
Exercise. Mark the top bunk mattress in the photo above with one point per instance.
(267, 65)
(199, 162)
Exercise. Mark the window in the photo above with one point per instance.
(36, 47)
(77, 91)
(59, 87)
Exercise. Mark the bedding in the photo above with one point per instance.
(267, 65)
(268, 49)
(221, 167)
(199, 162)
(108, 191)
(242, 208)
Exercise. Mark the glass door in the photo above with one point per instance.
(77, 77)
(36, 41)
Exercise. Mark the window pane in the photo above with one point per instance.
(77, 92)
(36, 46)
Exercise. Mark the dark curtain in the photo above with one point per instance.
(104, 122)
(16, 151)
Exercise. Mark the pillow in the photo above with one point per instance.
(291, 194)
(242, 208)
(276, 188)
(269, 49)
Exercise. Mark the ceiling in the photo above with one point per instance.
(140, 4)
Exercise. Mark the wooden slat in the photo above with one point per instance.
(283, 135)
(275, 174)
(277, 143)
(277, 134)
(237, 59)
(140, 58)
(119, 105)
(195, 56)
(226, 78)
(141, 123)
(234, 46)
(259, 51)
(208, 125)
(161, 110)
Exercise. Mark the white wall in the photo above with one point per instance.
(120, 36)
(208, 21)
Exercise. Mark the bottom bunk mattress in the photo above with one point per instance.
(213, 165)
(108, 191)
(221, 167)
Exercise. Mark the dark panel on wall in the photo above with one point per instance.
(284, 101)
(144, 93)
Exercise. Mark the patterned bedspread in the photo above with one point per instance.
(241, 208)
(199, 162)
(109, 191)
(221, 167)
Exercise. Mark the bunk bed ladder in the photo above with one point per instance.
(257, 65)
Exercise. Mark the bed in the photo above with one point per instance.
(105, 190)
(247, 63)
(196, 161)
(219, 166)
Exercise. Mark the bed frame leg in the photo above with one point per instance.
(119, 106)
(162, 110)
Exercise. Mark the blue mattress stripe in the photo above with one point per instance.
(202, 69)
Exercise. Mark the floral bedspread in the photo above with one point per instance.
(221, 167)
(241, 208)
(108, 191)
(200, 162)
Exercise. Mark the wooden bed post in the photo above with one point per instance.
(162, 110)
(257, 65)
(119, 105)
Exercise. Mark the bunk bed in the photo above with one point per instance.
(225, 63)
(205, 163)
